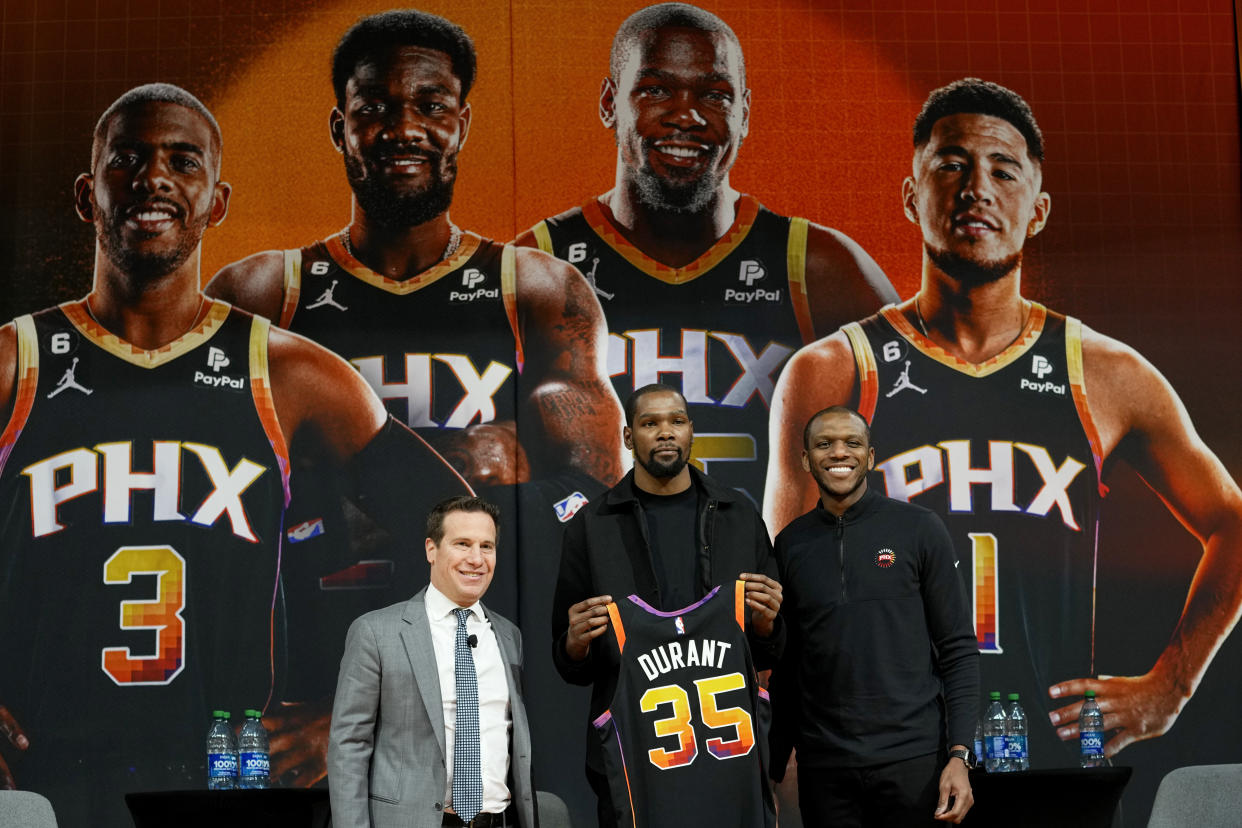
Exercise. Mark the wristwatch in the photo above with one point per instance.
(966, 755)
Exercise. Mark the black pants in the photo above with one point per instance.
(896, 795)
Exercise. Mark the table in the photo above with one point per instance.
(1063, 797)
(271, 808)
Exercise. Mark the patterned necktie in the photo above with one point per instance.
(467, 771)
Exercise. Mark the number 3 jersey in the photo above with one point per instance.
(685, 737)
(143, 496)
(1007, 454)
(719, 329)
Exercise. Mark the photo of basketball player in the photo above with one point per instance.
(458, 334)
(1005, 418)
(146, 462)
(701, 286)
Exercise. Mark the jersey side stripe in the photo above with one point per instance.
(261, 389)
(739, 603)
(508, 294)
(614, 617)
(1073, 359)
(795, 260)
(543, 238)
(27, 381)
(868, 376)
(293, 287)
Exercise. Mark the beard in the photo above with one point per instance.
(663, 468)
(145, 267)
(674, 195)
(971, 273)
(394, 210)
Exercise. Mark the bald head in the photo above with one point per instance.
(666, 15)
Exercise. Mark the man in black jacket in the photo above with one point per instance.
(668, 534)
(882, 669)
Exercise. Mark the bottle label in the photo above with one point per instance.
(1091, 742)
(222, 765)
(996, 747)
(1015, 744)
(254, 764)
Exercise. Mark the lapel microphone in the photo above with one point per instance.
(473, 641)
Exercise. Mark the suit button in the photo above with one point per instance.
(439, 806)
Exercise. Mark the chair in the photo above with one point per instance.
(553, 812)
(1201, 795)
(27, 809)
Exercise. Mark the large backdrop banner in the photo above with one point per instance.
(139, 590)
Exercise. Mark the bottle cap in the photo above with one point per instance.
(251, 713)
(994, 695)
(1013, 696)
(1090, 694)
(221, 714)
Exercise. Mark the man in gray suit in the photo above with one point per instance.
(428, 726)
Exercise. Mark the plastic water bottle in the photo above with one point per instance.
(221, 753)
(252, 744)
(1015, 736)
(979, 741)
(995, 760)
(1091, 734)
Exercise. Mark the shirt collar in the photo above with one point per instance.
(440, 607)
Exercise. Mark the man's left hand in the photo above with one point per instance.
(955, 789)
(763, 596)
(1136, 707)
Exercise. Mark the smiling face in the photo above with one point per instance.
(975, 194)
(660, 437)
(401, 129)
(838, 455)
(465, 557)
(680, 112)
(153, 190)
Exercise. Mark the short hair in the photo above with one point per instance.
(979, 97)
(631, 403)
(660, 16)
(402, 27)
(834, 409)
(459, 503)
(155, 93)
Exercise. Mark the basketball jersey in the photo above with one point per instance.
(719, 329)
(143, 498)
(440, 349)
(685, 737)
(1007, 454)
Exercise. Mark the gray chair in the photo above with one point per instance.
(553, 812)
(1204, 796)
(27, 809)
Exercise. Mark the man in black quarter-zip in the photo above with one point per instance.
(878, 686)
(668, 534)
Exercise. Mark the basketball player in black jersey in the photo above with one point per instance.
(696, 278)
(401, 119)
(976, 195)
(152, 191)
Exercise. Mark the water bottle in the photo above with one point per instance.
(1091, 734)
(252, 744)
(221, 753)
(979, 741)
(994, 735)
(1015, 736)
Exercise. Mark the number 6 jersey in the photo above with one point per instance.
(685, 737)
(143, 495)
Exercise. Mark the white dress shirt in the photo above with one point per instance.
(495, 720)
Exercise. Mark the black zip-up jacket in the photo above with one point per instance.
(881, 648)
(605, 551)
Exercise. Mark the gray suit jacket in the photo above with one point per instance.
(386, 753)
